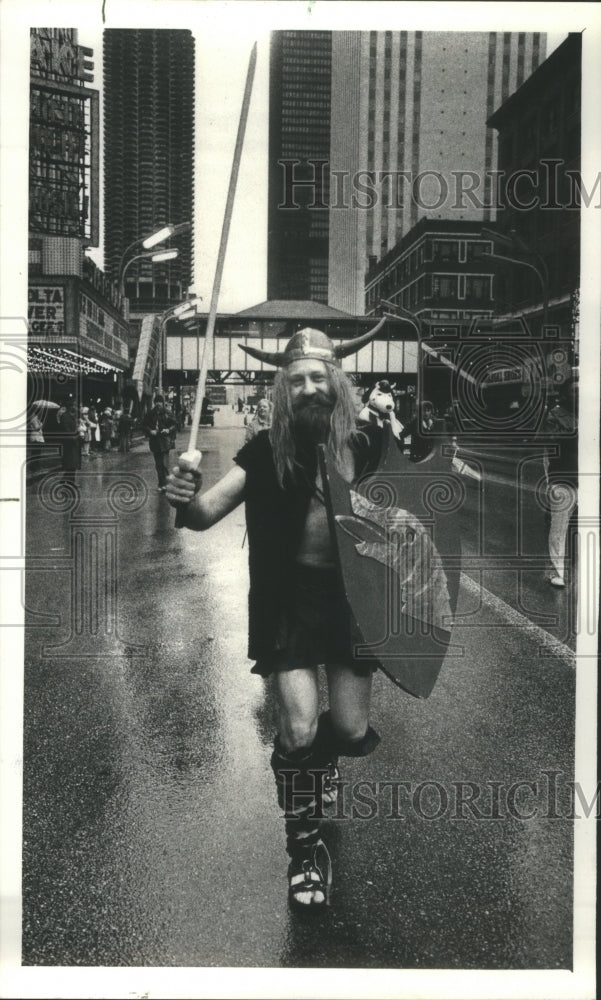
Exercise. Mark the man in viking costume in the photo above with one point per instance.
(298, 615)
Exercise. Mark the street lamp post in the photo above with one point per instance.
(412, 318)
(152, 255)
(147, 243)
(182, 311)
(514, 243)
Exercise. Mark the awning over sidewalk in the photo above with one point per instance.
(60, 361)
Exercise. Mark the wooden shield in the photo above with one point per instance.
(397, 541)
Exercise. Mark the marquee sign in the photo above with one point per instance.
(60, 315)
(147, 357)
(98, 326)
(46, 310)
(64, 134)
(54, 54)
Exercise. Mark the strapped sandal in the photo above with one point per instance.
(331, 785)
(306, 876)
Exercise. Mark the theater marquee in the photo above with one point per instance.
(63, 140)
(46, 310)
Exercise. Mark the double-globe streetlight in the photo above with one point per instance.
(145, 245)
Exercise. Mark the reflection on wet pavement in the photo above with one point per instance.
(151, 830)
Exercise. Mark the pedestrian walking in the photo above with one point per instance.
(93, 417)
(86, 429)
(562, 476)
(71, 441)
(173, 428)
(261, 420)
(117, 414)
(298, 615)
(35, 427)
(157, 427)
(124, 430)
(106, 429)
(420, 430)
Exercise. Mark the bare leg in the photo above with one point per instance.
(350, 697)
(293, 763)
(297, 698)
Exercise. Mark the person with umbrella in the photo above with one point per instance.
(35, 423)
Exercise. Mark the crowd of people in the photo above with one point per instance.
(91, 431)
(84, 433)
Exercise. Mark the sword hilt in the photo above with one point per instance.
(188, 461)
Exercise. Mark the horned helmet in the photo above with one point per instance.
(315, 344)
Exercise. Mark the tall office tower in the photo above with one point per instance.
(409, 137)
(299, 154)
(148, 157)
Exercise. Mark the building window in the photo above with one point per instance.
(445, 250)
(476, 251)
(477, 287)
(444, 286)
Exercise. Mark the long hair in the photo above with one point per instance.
(342, 423)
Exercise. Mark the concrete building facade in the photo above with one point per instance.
(439, 271)
(410, 139)
(299, 153)
(148, 158)
(539, 139)
(77, 337)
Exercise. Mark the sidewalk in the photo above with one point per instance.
(40, 463)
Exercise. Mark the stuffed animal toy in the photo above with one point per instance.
(379, 407)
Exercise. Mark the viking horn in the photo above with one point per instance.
(278, 358)
(350, 346)
(271, 357)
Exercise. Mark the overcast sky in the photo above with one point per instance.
(224, 33)
(221, 64)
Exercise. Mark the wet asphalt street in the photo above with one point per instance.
(151, 830)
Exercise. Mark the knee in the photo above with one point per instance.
(355, 740)
(297, 732)
(351, 731)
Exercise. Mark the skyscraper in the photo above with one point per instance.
(410, 139)
(299, 154)
(388, 127)
(148, 156)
